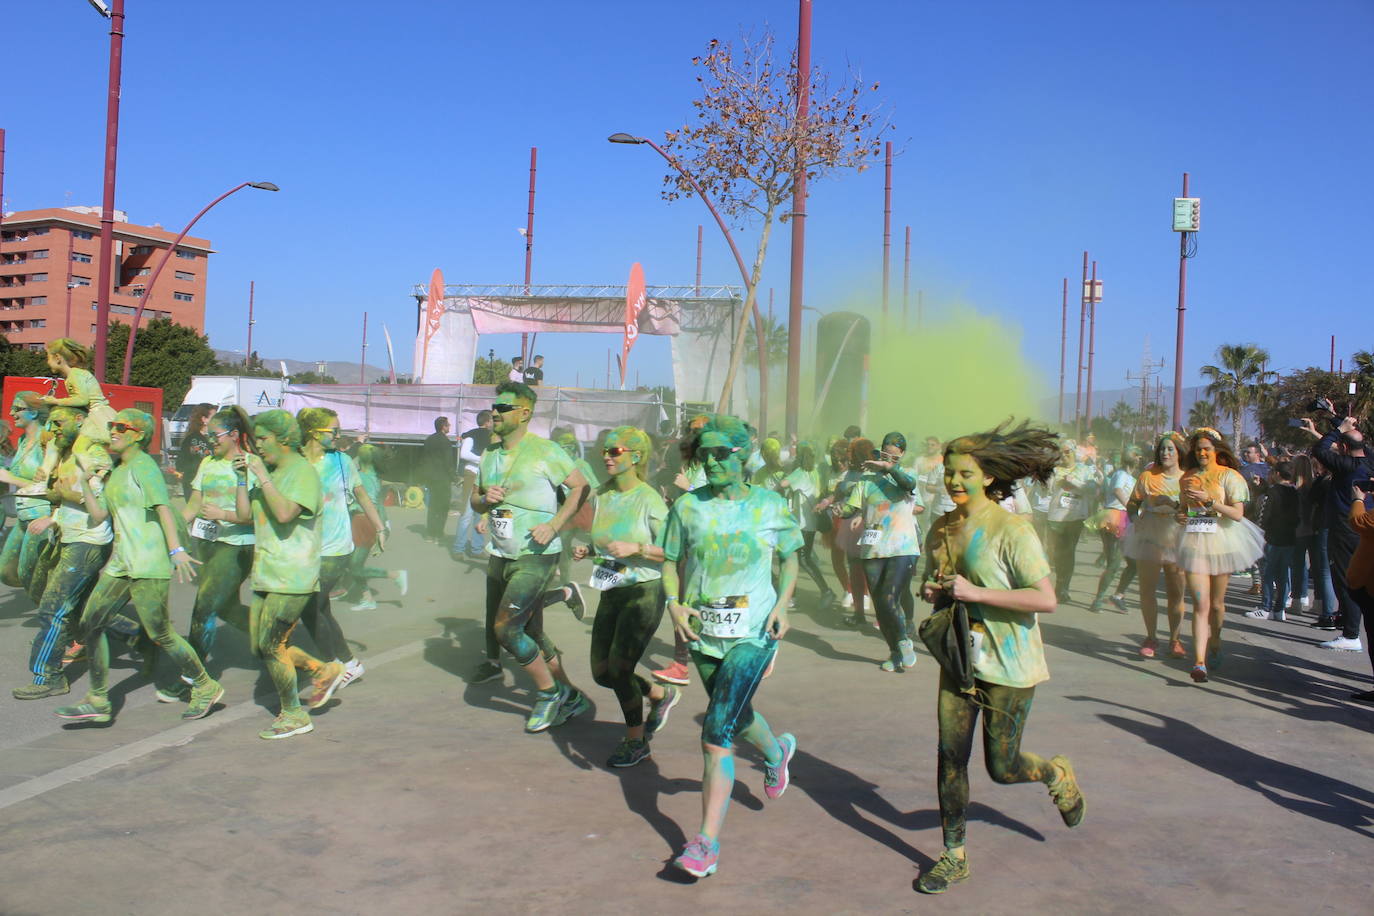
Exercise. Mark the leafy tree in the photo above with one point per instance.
(1203, 413)
(1239, 383)
(747, 143)
(774, 338)
(1293, 397)
(1126, 419)
(19, 360)
(1156, 419)
(1363, 364)
(166, 355)
(488, 370)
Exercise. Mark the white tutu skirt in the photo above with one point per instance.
(1152, 538)
(1235, 546)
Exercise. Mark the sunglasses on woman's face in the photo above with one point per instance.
(118, 426)
(505, 408)
(615, 451)
(719, 452)
(222, 433)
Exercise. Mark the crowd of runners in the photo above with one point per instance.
(713, 527)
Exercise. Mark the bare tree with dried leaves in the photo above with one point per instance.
(746, 144)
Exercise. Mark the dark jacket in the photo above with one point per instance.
(1280, 519)
(437, 459)
(1344, 470)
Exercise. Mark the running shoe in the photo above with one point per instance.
(367, 604)
(777, 778)
(892, 666)
(1068, 797)
(658, 711)
(325, 684)
(908, 650)
(1176, 649)
(55, 687)
(1119, 602)
(76, 652)
(288, 724)
(402, 582)
(574, 600)
(90, 709)
(353, 669)
(699, 858)
(1344, 643)
(338, 593)
(1280, 615)
(856, 621)
(180, 693)
(676, 673)
(487, 671)
(1095, 607)
(546, 707)
(1198, 674)
(1324, 623)
(1148, 647)
(576, 704)
(203, 699)
(629, 752)
(949, 869)
(1258, 613)
(847, 601)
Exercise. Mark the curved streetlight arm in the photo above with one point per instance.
(734, 249)
(157, 271)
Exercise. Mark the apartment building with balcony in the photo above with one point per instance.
(50, 264)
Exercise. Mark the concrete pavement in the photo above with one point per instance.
(420, 793)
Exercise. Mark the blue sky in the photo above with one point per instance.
(400, 136)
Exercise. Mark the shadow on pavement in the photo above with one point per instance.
(1300, 790)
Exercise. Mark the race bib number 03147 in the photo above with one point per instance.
(726, 618)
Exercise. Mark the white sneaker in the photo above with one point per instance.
(1306, 603)
(847, 600)
(1257, 614)
(908, 650)
(1280, 614)
(352, 671)
(402, 582)
(1341, 642)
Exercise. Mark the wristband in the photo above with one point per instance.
(671, 599)
(172, 553)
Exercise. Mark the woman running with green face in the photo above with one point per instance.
(718, 548)
(21, 548)
(992, 561)
(147, 547)
(628, 518)
(283, 505)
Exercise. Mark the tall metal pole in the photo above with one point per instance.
(529, 250)
(1333, 353)
(795, 293)
(105, 274)
(362, 362)
(1182, 307)
(1063, 346)
(887, 221)
(1092, 336)
(1082, 330)
(248, 355)
(698, 260)
(906, 277)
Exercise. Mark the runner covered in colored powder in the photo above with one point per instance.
(801, 489)
(147, 547)
(887, 500)
(84, 544)
(223, 547)
(578, 527)
(284, 505)
(1152, 541)
(1217, 539)
(364, 538)
(72, 362)
(340, 485)
(772, 473)
(691, 477)
(718, 547)
(517, 487)
(629, 516)
(991, 560)
(21, 548)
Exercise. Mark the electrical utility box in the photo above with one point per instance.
(1187, 214)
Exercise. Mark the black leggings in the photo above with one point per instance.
(889, 578)
(807, 557)
(626, 619)
(319, 616)
(1006, 762)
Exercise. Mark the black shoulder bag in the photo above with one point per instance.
(949, 637)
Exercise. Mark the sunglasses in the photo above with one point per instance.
(719, 452)
(505, 408)
(222, 433)
(615, 451)
(119, 426)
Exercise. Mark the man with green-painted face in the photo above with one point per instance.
(518, 488)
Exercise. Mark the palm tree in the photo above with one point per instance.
(1240, 382)
(774, 336)
(1126, 420)
(1363, 364)
(1202, 413)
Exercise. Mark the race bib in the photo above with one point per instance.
(1067, 500)
(726, 618)
(607, 574)
(870, 537)
(1042, 503)
(502, 524)
(204, 529)
(1202, 524)
(977, 632)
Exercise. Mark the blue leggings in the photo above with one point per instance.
(730, 684)
(889, 579)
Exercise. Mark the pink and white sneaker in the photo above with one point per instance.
(699, 858)
(777, 778)
(676, 673)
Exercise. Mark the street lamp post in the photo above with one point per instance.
(157, 271)
(759, 335)
(115, 13)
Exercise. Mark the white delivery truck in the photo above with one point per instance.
(252, 394)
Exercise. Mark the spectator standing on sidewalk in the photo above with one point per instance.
(1359, 576)
(474, 444)
(534, 375)
(517, 370)
(437, 468)
(1341, 450)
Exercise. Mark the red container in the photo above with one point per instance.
(148, 400)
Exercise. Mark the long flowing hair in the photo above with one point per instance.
(1007, 454)
(1225, 457)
